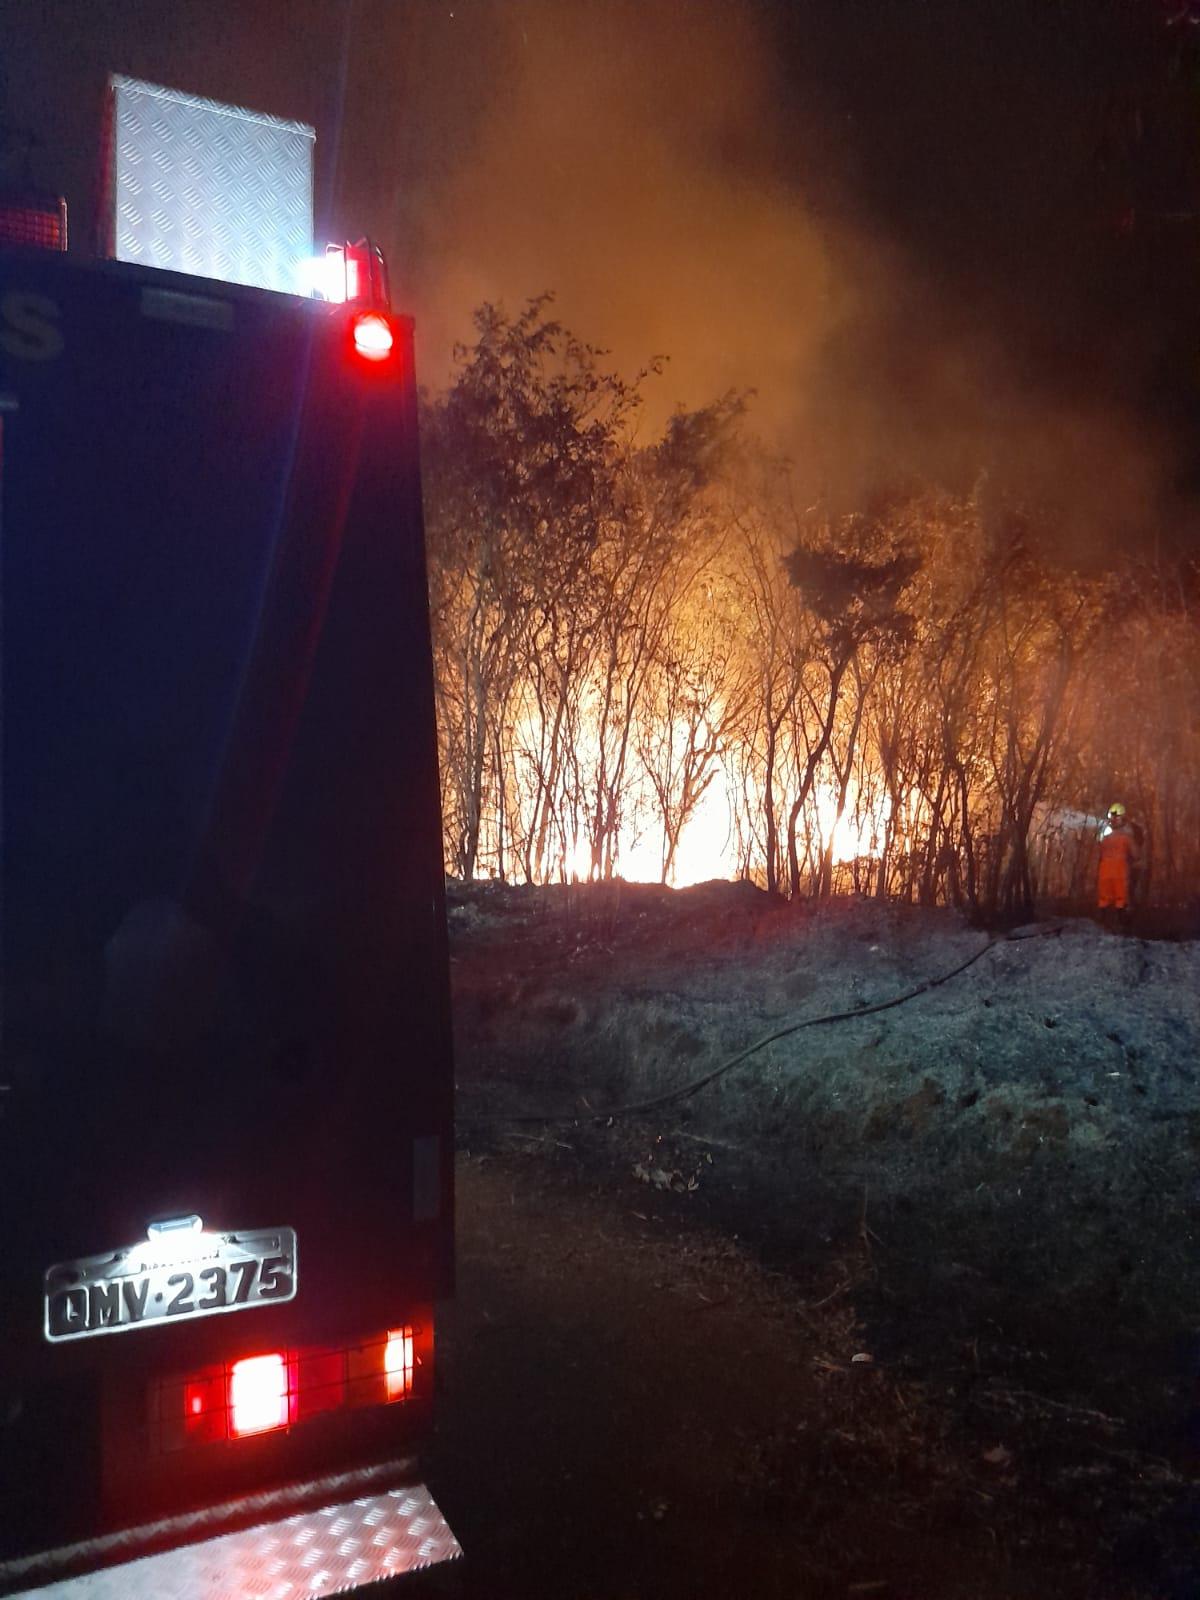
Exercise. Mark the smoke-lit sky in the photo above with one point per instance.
(891, 218)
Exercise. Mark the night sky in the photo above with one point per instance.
(936, 236)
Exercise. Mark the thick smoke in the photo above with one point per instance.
(690, 182)
(625, 159)
(872, 214)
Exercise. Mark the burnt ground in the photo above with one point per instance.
(903, 1305)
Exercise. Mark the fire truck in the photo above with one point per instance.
(225, 1085)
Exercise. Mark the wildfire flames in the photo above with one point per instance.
(650, 664)
(707, 846)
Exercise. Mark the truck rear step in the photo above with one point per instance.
(354, 1529)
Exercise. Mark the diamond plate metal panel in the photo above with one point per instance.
(210, 189)
(332, 1550)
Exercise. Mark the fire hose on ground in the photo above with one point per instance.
(686, 1090)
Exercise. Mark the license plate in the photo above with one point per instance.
(174, 1278)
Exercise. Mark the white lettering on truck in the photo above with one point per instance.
(29, 329)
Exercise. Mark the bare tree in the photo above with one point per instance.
(520, 468)
(852, 601)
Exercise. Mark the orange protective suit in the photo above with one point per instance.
(1116, 860)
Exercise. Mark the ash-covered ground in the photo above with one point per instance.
(981, 1202)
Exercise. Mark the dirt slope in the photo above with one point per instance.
(634, 1409)
(996, 1178)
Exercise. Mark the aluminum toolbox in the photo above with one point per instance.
(214, 190)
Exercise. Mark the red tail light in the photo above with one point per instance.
(33, 221)
(282, 1389)
(258, 1395)
(320, 1382)
(205, 1408)
(398, 1363)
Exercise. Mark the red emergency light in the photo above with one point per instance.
(31, 221)
(372, 335)
(354, 274)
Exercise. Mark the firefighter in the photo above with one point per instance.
(1118, 857)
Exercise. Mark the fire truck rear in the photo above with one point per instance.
(226, 1088)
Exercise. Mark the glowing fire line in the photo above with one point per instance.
(708, 845)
